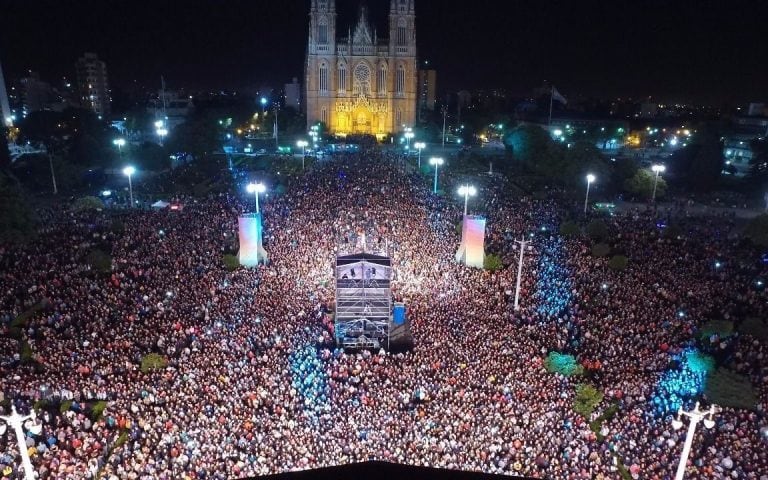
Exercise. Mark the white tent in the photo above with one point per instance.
(160, 204)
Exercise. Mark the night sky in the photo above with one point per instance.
(675, 50)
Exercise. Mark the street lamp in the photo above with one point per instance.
(303, 144)
(408, 136)
(120, 142)
(436, 161)
(658, 169)
(15, 421)
(129, 171)
(696, 416)
(256, 189)
(314, 132)
(523, 244)
(467, 190)
(263, 106)
(420, 146)
(590, 178)
(161, 130)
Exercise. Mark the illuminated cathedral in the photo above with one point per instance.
(361, 84)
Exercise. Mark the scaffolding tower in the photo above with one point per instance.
(363, 301)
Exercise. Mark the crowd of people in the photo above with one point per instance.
(254, 384)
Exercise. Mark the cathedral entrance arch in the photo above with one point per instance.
(362, 120)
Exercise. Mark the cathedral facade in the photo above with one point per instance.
(361, 84)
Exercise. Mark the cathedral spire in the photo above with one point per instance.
(363, 29)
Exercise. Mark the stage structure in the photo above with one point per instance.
(472, 249)
(251, 247)
(363, 301)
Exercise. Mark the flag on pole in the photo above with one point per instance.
(557, 96)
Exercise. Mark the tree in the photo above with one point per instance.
(532, 147)
(231, 262)
(569, 229)
(673, 230)
(153, 361)
(99, 261)
(708, 159)
(88, 203)
(152, 157)
(755, 327)
(623, 169)
(758, 164)
(199, 136)
(41, 126)
(578, 159)
(5, 155)
(618, 262)
(757, 230)
(492, 262)
(721, 328)
(641, 184)
(86, 151)
(17, 218)
(563, 364)
(34, 172)
(727, 388)
(587, 399)
(117, 226)
(600, 250)
(597, 230)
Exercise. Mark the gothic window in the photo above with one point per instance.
(382, 83)
(400, 80)
(324, 115)
(322, 31)
(323, 87)
(362, 80)
(402, 33)
(342, 78)
(399, 117)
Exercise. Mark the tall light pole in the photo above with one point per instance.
(467, 190)
(590, 178)
(658, 169)
(161, 130)
(128, 172)
(314, 132)
(263, 106)
(445, 114)
(436, 161)
(523, 243)
(256, 189)
(15, 421)
(408, 136)
(420, 146)
(303, 144)
(53, 173)
(120, 142)
(696, 416)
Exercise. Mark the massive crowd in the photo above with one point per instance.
(254, 385)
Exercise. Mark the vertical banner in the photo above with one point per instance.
(472, 249)
(251, 249)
